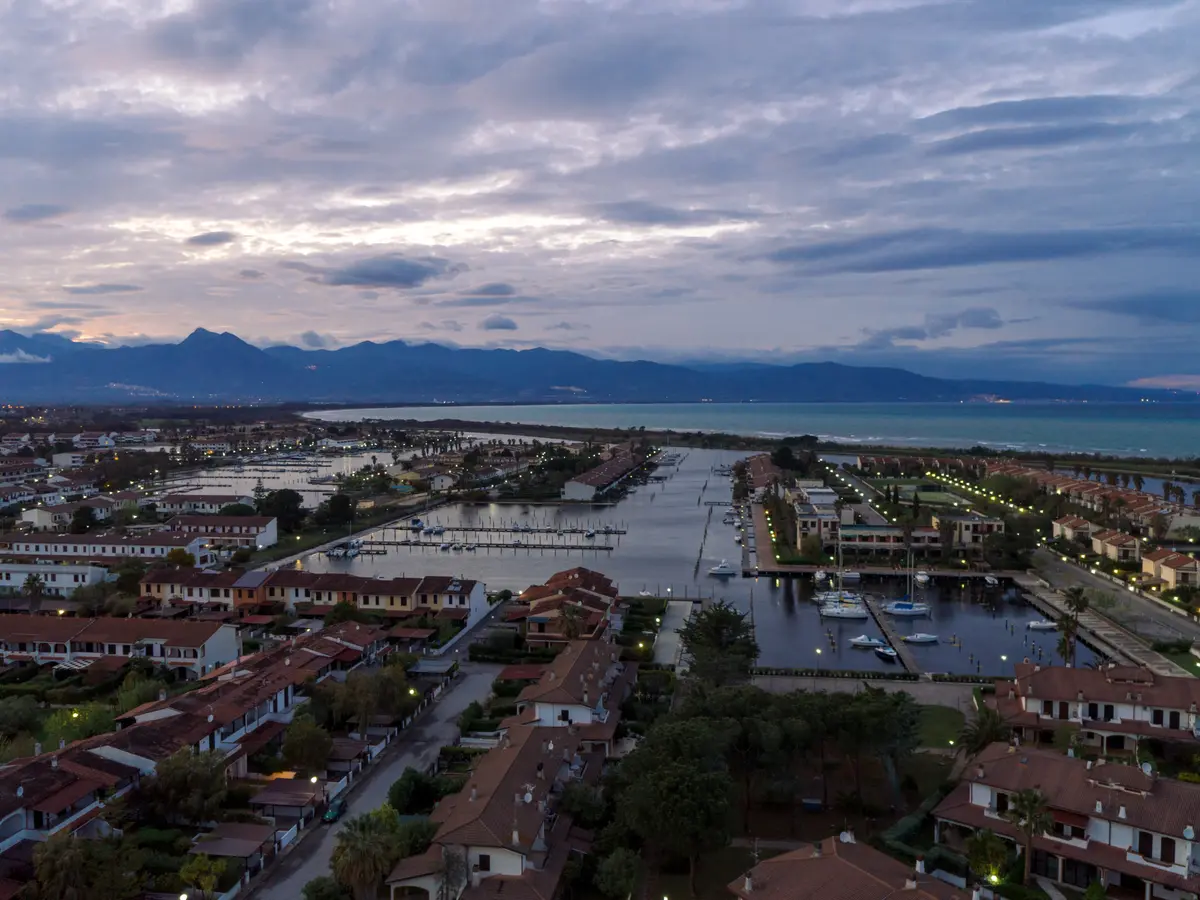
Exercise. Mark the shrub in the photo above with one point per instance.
(1019, 892)
(507, 688)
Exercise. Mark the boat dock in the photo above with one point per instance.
(516, 529)
(369, 546)
(893, 638)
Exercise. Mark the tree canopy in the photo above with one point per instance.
(286, 506)
(306, 746)
(187, 787)
(719, 644)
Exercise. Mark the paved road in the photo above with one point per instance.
(1139, 615)
(864, 510)
(416, 747)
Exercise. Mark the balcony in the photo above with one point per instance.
(1174, 868)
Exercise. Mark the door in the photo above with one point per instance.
(1146, 844)
(1173, 719)
(1064, 709)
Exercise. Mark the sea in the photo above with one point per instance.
(1122, 429)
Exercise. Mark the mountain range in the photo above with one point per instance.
(211, 367)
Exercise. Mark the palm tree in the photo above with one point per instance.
(35, 589)
(1076, 600)
(1027, 810)
(364, 855)
(987, 728)
(987, 854)
(1196, 499)
(572, 622)
(1138, 482)
(61, 865)
(1168, 490)
(1124, 479)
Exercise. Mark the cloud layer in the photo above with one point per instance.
(1008, 185)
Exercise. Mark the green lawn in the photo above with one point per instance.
(714, 872)
(1186, 661)
(940, 725)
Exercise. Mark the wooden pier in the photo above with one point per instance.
(885, 625)
(483, 545)
(524, 529)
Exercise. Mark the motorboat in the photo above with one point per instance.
(470, 547)
(991, 581)
(444, 546)
(589, 534)
(517, 543)
(866, 642)
(837, 597)
(820, 575)
(737, 538)
(428, 529)
(850, 576)
(416, 523)
(438, 529)
(906, 608)
(336, 552)
(722, 570)
(922, 579)
(920, 637)
(351, 551)
(844, 611)
(1042, 625)
(645, 593)
(456, 546)
(607, 529)
(887, 654)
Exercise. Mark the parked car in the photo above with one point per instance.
(334, 811)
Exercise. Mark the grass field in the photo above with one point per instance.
(715, 871)
(940, 725)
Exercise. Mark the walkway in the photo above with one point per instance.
(885, 625)
(667, 648)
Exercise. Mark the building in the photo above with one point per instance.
(969, 529)
(58, 580)
(440, 596)
(228, 589)
(1181, 571)
(103, 547)
(60, 516)
(1072, 528)
(888, 538)
(70, 460)
(843, 869)
(1116, 824)
(598, 481)
(93, 440)
(190, 648)
(582, 689)
(577, 603)
(1116, 545)
(505, 825)
(253, 532)
(1113, 708)
(200, 504)
(13, 472)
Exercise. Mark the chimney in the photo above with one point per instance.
(474, 793)
(517, 801)
(748, 884)
(545, 744)
(37, 749)
(566, 755)
(551, 675)
(20, 790)
(542, 806)
(1012, 694)
(1121, 812)
(516, 838)
(979, 772)
(476, 877)
(54, 762)
(541, 772)
(920, 865)
(585, 696)
(162, 695)
(910, 884)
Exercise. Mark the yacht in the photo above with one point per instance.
(844, 611)
(820, 575)
(922, 579)
(722, 570)
(906, 608)
(866, 642)
(991, 581)
(837, 597)
(887, 654)
(920, 638)
(1042, 625)
(645, 593)
(444, 546)
(850, 576)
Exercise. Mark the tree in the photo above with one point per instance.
(337, 510)
(306, 746)
(1076, 601)
(617, 874)
(285, 506)
(1027, 810)
(1095, 891)
(413, 793)
(1138, 482)
(680, 809)
(61, 867)
(202, 872)
(367, 849)
(180, 559)
(572, 621)
(987, 728)
(78, 723)
(1168, 490)
(238, 509)
(83, 520)
(719, 644)
(19, 714)
(1159, 526)
(987, 854)
(945, 529)
(34, 587)
(783, 458)
(67, 868)
(129, 576)
(187, 787)
(324, 887)
(414, 837)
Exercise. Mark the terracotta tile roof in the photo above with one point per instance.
(1159, 554)
(1114, 684)
(203, 523)
(582, 665)
(521, 672)
(836, 870)
(1180, 562)
(404, 633)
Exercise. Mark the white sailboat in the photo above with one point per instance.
(844, 611)
(1042, 625)
(906, 608)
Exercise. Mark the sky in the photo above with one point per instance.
(970, 188)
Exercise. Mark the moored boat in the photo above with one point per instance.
(922, 579)
(866, 642)
(722, 570)
(906, 608)
(844, 611)
(1042, 625)
(887, 654)
(991, 580)
(920, 638)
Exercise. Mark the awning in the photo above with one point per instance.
(1066, 817)
(63, 799)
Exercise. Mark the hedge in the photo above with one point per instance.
(452, 753)
(509, 656)
(836, 673)
(19, 673)
(1019, 892)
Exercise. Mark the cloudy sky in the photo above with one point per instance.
(962, 187)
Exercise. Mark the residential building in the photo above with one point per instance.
(576, 603)
(93, 440)
(1116, 824)
(1181, 570)
(60, 516)
(316, 593)
(253, 532)
(228, 589)
(17, 494)
(1116, 545)
(969, 529)
(889, 538)
(200, 504)
(74, 459)
(1112, 708)
(582, 689)
(1152, 564)
(57, 579)
(18, 472)
(209, 446)
(600, 480)
(63, 547)
(190, 648)
(506, 824)
(844, 869)
(1072, 528)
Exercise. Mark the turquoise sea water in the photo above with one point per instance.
(1126, 429)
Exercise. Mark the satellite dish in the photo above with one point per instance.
(528, 798)
(550, 746)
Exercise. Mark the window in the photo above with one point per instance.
(1166, 850)
(1156, 717)
(1108, 712)
(485, 862)
(1048, 708)
(1146, 844)
(1001, 802)
(565, 716)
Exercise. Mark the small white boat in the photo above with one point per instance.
(837, 597)
(438, 529)
(517, 542)
(844, 611)
(336, 552)
(991, 581)
(1042, 625)
(456, 546)
(922, 579)
(866, 642)
(820, 575)
(645, 593)
(589, 534)
(428, 529)
(351, 552)
(737, 538)
(850, 576)
(471, 547)
(444, 546)
(906, 608)
(920, 638)
(722, 570)
(887, 654)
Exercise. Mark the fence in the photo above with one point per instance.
(285, 838)
(333, 788)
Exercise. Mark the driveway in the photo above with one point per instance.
(863, 510)
(417, 747)
(1141, 616)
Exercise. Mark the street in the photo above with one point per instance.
(863, 510)
(417, 747)
(1141, 616)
